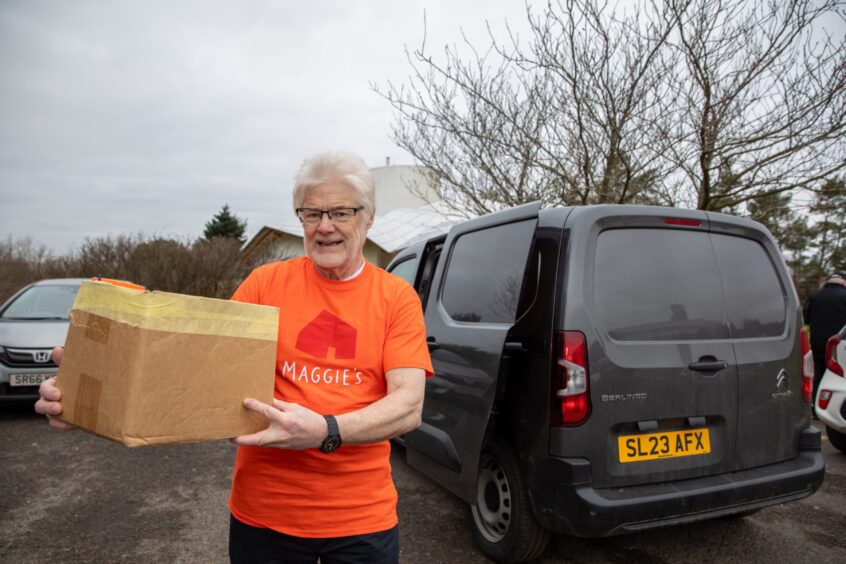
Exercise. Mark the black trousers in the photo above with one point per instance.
(253, 545)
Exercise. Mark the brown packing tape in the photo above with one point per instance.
(87, 402)
(97, 329)
(94, 351)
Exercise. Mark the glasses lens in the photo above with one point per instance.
(310, 216)
(341, 215)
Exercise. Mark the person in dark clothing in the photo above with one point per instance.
(825, 312)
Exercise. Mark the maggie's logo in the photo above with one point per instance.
(327, 332)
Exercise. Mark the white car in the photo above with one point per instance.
(831, 398)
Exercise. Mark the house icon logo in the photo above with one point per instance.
(325, 332)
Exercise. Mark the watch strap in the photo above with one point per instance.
(333, 438)
(332, 423)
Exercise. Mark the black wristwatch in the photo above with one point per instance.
(333, 441)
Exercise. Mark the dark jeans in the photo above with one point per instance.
(252, 545)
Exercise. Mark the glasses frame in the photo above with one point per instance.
(327, 212)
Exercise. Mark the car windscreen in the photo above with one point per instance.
(42, 302)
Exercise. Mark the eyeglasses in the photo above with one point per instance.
(311, 216)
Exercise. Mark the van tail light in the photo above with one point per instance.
(571, 399)
(823, 398)
(807, 366)
(830, 351)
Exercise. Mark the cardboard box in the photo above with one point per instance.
(146, 368)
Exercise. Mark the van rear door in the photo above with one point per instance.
(469, 311)
(643, 285)
(764, 321)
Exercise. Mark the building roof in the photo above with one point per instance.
(399, 228)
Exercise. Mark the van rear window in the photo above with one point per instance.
(756, 300)
(658, 285)
(662, 285)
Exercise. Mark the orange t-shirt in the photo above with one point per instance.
(337, 339)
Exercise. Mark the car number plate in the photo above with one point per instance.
(33, 379)
(672, 444)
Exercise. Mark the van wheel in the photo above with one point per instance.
(503, 523)
(836, 438)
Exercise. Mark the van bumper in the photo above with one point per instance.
(585, 511)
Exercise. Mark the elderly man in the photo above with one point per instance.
(350, 373)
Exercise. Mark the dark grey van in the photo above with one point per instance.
(609, 369)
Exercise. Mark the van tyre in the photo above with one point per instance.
(837, 439)
(503, 523)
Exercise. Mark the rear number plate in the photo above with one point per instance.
(28, 379)
(673, 444)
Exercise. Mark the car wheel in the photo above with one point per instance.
(837, 438)
(503, 523)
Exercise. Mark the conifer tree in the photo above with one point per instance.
(225, 224)
(828, 235)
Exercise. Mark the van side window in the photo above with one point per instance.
(485, 273)
(756, 300)
(406, 269)
(430, 263)
(658, 285)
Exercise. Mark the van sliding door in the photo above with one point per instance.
(470, 309)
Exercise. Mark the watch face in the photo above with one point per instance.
(331, 444)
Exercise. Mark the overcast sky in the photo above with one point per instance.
(148, 116)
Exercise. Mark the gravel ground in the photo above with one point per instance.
(73, 497)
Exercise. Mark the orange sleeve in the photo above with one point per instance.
(405, 341)
(250, 289)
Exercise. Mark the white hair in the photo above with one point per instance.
(336, 165)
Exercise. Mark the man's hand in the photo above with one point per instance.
(50, 402)
(291, 426)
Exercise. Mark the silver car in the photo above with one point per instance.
(32, 323)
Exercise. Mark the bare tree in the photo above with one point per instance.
(603, 73)
(202, 267)
(760, 99)
(570, 119)
(473, 123)
(21, 261)
(702, 103)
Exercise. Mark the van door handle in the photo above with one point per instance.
(514, 346)
(708, 364)
(432, 344)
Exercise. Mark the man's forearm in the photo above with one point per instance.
(397, 413)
